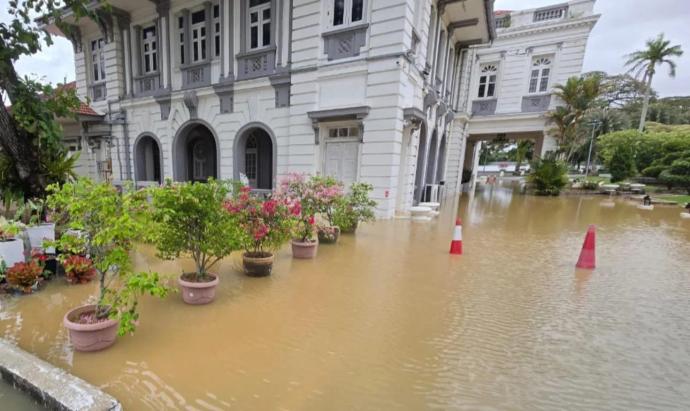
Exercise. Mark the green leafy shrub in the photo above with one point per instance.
(111, 223)
(190, 220)
(355, 207)
(548, 176)
(677, 175)
(621, 165)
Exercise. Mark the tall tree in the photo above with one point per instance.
(643, 64)
(30, 136)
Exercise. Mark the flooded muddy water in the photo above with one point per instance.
(387, 319)
(14, 400)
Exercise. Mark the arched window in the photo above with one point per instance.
(539, 77)
(487, 80)
(251, 160)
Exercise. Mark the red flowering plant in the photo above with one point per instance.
(296, 189)
(266, 223)
(328, 192)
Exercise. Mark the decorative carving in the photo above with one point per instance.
(256, 64)
(196, 76)
(536, 104)
(484, 107)
(164, 103)
(191, 101)
(98, 92)
(345, 42)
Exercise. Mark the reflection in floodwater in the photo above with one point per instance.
(388, 320)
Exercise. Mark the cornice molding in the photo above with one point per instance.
(522, 31)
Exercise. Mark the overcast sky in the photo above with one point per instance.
(623, 27)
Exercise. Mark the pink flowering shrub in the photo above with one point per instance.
(266, 224)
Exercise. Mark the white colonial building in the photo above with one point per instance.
(513, 77)
(368, 90)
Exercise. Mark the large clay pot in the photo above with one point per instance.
(38, 233)
(257, 264)
(197, 293)
(12, 252)
(90, 337)
(329, 237)
(306, 249)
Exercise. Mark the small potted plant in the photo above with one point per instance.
(296, 189)
(11, 247)
(111, 222)
(24, 276)
(354, 208)
(39, 228)
(191, 221)
(78, 269)
(267, 224)
(328, 192)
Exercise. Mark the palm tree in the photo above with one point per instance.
(579, 95)
(643, 63)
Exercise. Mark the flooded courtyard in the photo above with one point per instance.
(387, 319)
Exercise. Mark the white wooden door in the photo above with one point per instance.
(341, 161)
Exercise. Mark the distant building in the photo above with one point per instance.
(513, 77)
(363, 90)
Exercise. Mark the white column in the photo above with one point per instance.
(165, 52)
(128, 61)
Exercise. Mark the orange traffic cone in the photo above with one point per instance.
(587, 258)
(456, 243)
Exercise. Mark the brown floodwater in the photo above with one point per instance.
(387, 319)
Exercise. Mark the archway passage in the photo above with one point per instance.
(147, 160)
(195, 154)
(254, 158)
(441, 166)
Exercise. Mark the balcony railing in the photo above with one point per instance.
(98, 92)
(535, 104)
(197, 75)
(257, 63)
(147, 84)
(484, 107)
(550, 13)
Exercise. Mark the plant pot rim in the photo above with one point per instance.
(266, 259)
(9, 241)
(41, 225)
(192, 284)
(305, 243)
(69, 324)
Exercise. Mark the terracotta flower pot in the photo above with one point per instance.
(257, 264)
(197, 293)
(306, 249)
(330, 235)
(90, 337)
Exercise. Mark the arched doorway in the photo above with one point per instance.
(441, 168)
(147, 159)
(421, 156)
(433, 157)
(195, 154)
(255, 157)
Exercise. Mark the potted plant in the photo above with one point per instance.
(39, 228)
(328, 192)
(296, 189)
(190, 220)
(111, 222)
(24, 276)
(267, 224)
(78, 269)
(11, 247)
(354, 208)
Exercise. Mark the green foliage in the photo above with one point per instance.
(355, 207)
(677, 174)
(621, 165)
(580, 95)
(111, 222)
(190, 220)
(9, 229)
(548, 176)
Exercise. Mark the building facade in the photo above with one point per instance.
(513, 77)
(363, 90)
